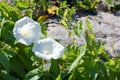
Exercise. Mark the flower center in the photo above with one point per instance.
(46, 52)
(27, 30)
(25, 33)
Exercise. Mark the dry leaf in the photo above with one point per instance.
(42, 18)
(52, 10)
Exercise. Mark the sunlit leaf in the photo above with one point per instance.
(9, 11)
(22, 5)
(35, 74)
(76, 61)
(65, 13)
(64, 23)
(59, 77)
(46, 66)
(42, 18)
(94, 4)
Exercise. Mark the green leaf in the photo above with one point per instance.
(35, 74)
(110, 3)
(44, 30)
(76, 61)
(65, 13)
(2, 24)
(44, 4)
(7, 32)
(90, 31)
(46, 66)
(117, 7)
(94, 3)
(6, 76)
(59, 77)
(64, 23)
(117, 75)
(9, 12)
(25, 57)
(79, 29)
(101, 67)
(22, 5)
(17, 66)
(91, 69)
(4, 60)
(7, 49)
(54, 68)
(112, 74)
(89, 25)
(80, 4)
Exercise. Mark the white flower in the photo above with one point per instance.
(27, 31)
(48, 48)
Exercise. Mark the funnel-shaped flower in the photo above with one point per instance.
(48, 48)
(27, 31)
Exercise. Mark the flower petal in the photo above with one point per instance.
(25, 31)
(58, 51)
(48, 48)
(45, 57)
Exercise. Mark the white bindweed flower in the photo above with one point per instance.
(27, 31)
(48, 48)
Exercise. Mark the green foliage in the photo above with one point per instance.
(66, 16)
(88, 4)
(117, 7)
(35, 74)
(4, 60)
(86, 62)
(43, 26)
(7, 25)
(79, 29)
(110, 3)
(54, 68)
(92, 64)
(76, 61)
(5, 76)
(9, 12)
(22, 5)
(42, 3)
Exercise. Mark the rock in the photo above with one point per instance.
(61, 34)
(106, 28)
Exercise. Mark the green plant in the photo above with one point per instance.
(110, 3)
(90, 61)
(89, 5)
(86, 62)
(9, 12)
(67, 16)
